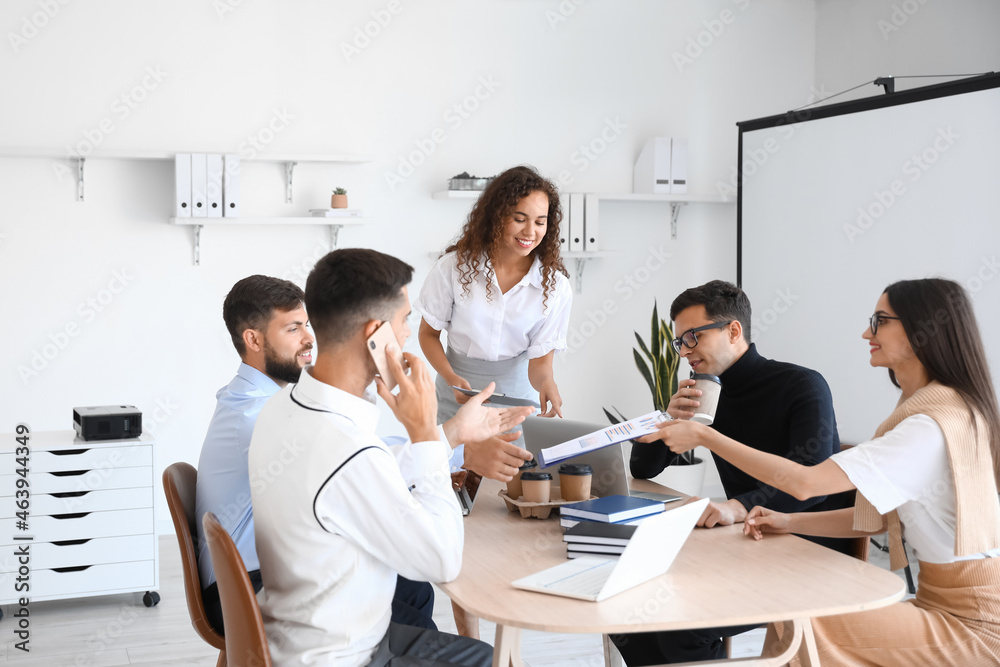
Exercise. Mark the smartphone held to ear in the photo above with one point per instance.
(377, 343)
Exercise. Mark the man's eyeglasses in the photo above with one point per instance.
(878, 318)
(690, 337)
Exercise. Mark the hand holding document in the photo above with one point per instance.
(633, 428)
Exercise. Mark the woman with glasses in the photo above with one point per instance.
(928, 474)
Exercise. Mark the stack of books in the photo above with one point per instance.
(625, 510)
(597, 540)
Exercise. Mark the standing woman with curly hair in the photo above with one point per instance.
(502, 294)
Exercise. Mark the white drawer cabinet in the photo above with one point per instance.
(90, 518)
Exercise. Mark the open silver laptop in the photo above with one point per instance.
(610, 471)
(650, 553)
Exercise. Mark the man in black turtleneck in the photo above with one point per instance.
(770, 405)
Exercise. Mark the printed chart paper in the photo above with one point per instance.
(633, 428)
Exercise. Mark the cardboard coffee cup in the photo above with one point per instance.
(537, 486)
(574, 481)
(514, 489)
(711, 387)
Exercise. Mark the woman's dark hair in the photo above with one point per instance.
(940, 325)
(251, 303)
(483, 231)
(351, 286)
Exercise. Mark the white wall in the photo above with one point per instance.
(159, 342)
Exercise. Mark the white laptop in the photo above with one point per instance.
(650, 552)
(610, 471)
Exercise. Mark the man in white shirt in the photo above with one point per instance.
(339, 513)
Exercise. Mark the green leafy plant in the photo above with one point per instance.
(657, 362)
(339, 191)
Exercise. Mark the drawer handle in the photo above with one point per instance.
(78, 515)
(71, 543)
(69, 494)
(69, 473)
(69, 452)
(78, 568)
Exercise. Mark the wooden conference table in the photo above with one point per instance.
(720, 578)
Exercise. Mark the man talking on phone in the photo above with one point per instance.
(347, 512)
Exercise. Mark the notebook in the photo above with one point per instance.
(612, 509)
(649, 553)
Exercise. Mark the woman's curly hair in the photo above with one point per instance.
(483, 231)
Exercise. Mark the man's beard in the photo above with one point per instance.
(286, 370)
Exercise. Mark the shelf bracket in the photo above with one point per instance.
(334, 233)
(79, 178)
(289, 169)
(197, 245)
(675, 211)
(580, 263)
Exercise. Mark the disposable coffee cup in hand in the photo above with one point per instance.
(711, 387)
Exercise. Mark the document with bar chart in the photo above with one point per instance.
(633, 428)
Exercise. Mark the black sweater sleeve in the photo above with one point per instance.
(648, 459)
(812, 438)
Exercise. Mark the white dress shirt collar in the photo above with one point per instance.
(314, 394)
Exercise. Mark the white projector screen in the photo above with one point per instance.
(839, 202)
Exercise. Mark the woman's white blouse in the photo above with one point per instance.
(502, 327)
(908, 470)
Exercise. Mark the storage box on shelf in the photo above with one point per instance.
(90, 527)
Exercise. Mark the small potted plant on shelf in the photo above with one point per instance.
(339, 198)
(658, 362)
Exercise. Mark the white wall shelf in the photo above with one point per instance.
(675, 201)
(197, 223)
(580, 258)
(458, 194)
(289, 160)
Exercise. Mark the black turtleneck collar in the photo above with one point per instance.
(743, 371)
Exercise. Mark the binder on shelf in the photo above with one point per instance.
(576, 222)
(231, 186)
(678, 166)
(564, 225)
(652, 171)
(199, 179)
(591, 223)
(213, 187)
(182, 185)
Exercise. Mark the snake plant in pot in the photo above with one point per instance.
(657, 362)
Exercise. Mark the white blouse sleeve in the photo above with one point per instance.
(900, 466)
(436, 303)
(551, 334)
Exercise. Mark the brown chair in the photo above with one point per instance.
(246, 644)
(179, 481)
